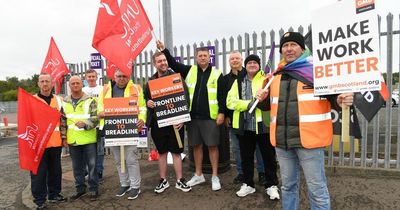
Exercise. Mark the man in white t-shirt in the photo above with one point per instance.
(93, 90)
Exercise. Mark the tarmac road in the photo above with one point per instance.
(349, 189)
(12, 179)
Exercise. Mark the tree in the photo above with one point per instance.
(9, 87)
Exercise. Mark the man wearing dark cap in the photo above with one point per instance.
(252, 128)
(300, 123)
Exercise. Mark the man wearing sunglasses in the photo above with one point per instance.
(130, 179)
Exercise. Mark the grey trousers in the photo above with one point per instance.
(131, 177)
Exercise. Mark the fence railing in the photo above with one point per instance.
(380, 143)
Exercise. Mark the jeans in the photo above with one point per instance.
(131, 176)
(100, 153)
(80, 153)
(312, 162)
(236, 154)
(247, 144)
(47, 181)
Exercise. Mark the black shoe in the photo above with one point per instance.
(122, 190)
(41, 206)
(181, 184)
(239, 179)
(93, 196)
(57, 199)
(133, 194)
(163, 185)
(261, 179)
(77, 195)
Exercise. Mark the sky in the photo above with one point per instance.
(27, 25)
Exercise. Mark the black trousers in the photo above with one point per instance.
(47, 181)
(247, 145)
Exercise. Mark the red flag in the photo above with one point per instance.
(55, 66)
(34, 130)
(121, 35)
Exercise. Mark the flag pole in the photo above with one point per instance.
(345, 137)
(265, 88)
(178, 138)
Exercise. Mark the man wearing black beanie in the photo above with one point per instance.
(301, 125)
(252, 128)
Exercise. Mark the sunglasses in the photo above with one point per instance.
(120, 76)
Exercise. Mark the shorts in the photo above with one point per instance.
(203, 132)
(165, 139)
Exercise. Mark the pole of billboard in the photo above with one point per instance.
(167, 24)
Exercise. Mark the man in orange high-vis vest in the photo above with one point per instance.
(300, 124)
(47, 181)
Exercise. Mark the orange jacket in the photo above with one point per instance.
(55, 138)
(315, 124)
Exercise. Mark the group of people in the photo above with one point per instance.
(289, 124)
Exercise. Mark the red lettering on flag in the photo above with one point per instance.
(55, 66)
(121, 34)
(34, 130)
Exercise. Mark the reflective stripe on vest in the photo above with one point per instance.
(212, 89)
(75, 135)
(256, 84)
(315, 122)
(130, 90)
(55, 138)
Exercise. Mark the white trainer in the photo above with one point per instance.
(273, 192)
(245, 190)
(195, 180)
(215, 184)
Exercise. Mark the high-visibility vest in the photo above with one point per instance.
(212, 87)
(55, 138)
(233, 102)
(315, 123)
(131, 90)
(75, 135)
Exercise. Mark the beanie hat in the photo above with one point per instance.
(294, 37)
(252, 57)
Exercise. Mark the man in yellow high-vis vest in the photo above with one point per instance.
(130, 180)
(207, 107)
(80, 124)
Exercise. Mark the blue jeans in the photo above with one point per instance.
(100, 154)
(236, 154)
(312, 162)
(80, 153)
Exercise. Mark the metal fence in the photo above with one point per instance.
(380, 143)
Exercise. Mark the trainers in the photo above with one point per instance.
(93, 196)
(41, 207)
(180, 184)
(133, 194)
(58, 198)
(261, 179)
(273, 192)
(163, 185)
(245, 190)
(122, 190)
(77, 195)
(238, 179)
(215, 184)
(195, 180)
